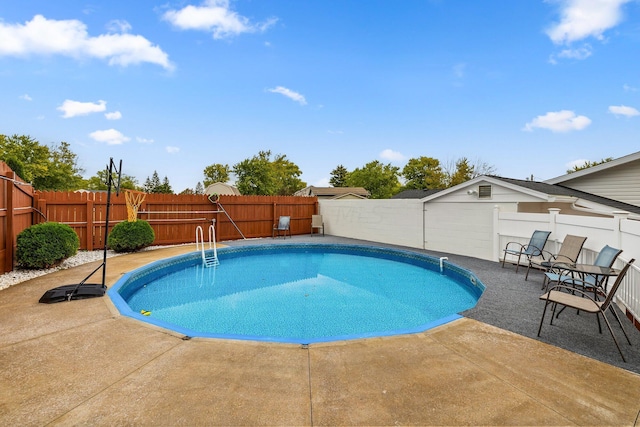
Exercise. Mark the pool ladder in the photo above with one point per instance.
(207, 260)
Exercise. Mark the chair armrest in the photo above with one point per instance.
(506, 248)
(586, 284)
(572, 290)
(564, 259)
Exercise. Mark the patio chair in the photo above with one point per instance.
(570, 296)
(606, 257)
(316, 222)
(533, 248)
(568, 253)
(282, 227)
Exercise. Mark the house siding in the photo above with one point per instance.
(620, 183)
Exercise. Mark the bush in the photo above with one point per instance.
(46, 245)
(130, 236)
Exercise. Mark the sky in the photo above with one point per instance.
(530, 87)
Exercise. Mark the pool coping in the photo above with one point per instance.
(161, 267)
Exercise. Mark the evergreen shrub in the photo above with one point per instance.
(46, 245)
(131, 236)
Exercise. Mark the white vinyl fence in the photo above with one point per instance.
(618, 232)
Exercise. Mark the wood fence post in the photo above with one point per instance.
(42, 207)
(89, 231)
(8, 253)
(274, 216)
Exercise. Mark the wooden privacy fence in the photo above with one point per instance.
(174, 218)
(16, 213)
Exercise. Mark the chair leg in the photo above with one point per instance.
(620, 323)
(614, 337)
(546, 303)
(518, 263)
(545, 281)
(553, 313)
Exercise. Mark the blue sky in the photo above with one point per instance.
(529, 87)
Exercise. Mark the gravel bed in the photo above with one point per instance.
(82, 257)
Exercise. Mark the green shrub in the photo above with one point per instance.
(46, 245)
(131, 236)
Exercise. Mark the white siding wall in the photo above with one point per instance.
(396, 222)
(462, 228)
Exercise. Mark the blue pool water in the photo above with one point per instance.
(301, 293)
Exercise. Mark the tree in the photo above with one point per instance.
(216, 173)
(339, 176)
(481, 167)
(153, 185)
(379, 179)
(260, 175)
(199, 188)
(462, 170)
(463, 173)
(587, 164)
(165, 187)
(25, 156)
(254, 175)
(63, 172)
(99, 181)
(286, 174)
(424, 173)
(46, 168)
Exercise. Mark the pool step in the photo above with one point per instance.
(210, 261)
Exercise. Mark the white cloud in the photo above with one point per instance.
(119, 26)
(42, 36)
(214, 16)
(622, 110)
(628, 88)
(392, 156)
(580, 53)
(115, 115)
(289, 94)
(26, 97)
(109, 136)
(76, 108)
(144, 140)
(459, 70)
(559, 121)
(581, 19)
(172, 150)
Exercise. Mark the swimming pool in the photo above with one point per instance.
(298, 293)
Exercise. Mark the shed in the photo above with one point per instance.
(465, 212)
(222, 188)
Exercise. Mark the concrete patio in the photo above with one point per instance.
(81, 363)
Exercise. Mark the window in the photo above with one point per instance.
(484, 191)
